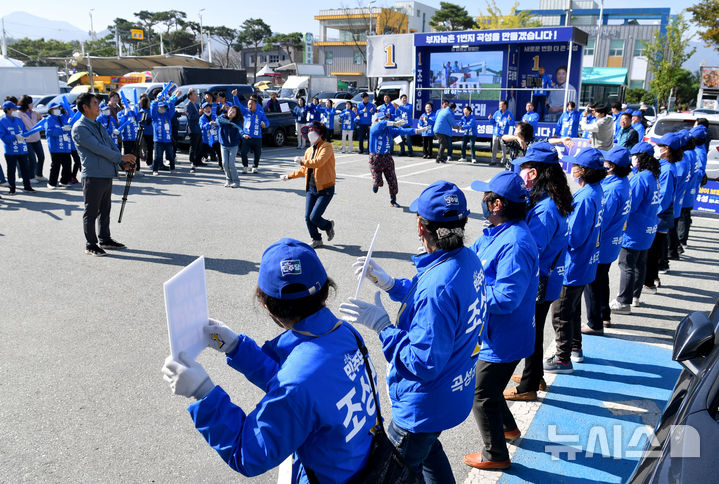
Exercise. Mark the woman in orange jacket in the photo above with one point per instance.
(318, 168)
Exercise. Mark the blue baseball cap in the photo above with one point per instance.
(588, 157)
(685, 136)
(205, 104)
(643, 147)
(9, 105)
(637, 114)
(699, 132)
(542, 152)
(506, 184)
(53, 105)
(289, 262)
(618, 155)
(442, 201)
(672, 140)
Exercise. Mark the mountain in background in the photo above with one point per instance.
(707, 55)
(19, 25)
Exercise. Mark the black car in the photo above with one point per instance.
(684, 446)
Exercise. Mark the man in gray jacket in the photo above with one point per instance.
(100, 158)
(602, 129)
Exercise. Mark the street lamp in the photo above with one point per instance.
(369, 6)
(92, 28)
(202, 37)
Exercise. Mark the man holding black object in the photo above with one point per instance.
(100, 158)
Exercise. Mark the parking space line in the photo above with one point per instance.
(413, 164)
(365, 176)
(424, 171)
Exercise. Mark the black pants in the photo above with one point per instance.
(596, 296)
(150, 145)
(128, 147)
(685, 222)
(254, 144)
(97, 193)
(60, 160)
(534, 365)
(195, 148)
(632, 270)
(566, 319)
(362, 134)
(673, 240)
(654, 255)
(445, 143)
(490, 408)
(427, 145)
(213, 152)
(76, 164)
(20, 163)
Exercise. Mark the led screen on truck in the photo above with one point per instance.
(466, 75)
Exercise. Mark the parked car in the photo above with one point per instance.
(712, 170)
(40, 101)
(700, 111)
(677, 121)
(683, 447)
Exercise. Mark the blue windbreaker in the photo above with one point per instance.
(639, 127)
(568, 124)
(210, 132)
(617, 124)
(131, 124)
(508, 255)
(58, 140)
(110, 125)
(701, 152)
(427, 120)
(617, 206)
(533, 119)
(327, 117)
(668, 185)
(550, 231)
(252, 126)
(445, 121)
(468, 125)
(318, 402)
(404, 111)
(148, 126)
(230, 134)
(348, 119)
(697, 174)
(501, 121)
(642, 220)
(684, 175)
(162, 122)
(366, 111)
(432, 371)
(382, 136)
(300, 113)
(314, 112)
(585, 224)
(389, 109)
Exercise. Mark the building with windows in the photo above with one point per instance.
(615, 51)
(342, 42)
(273, 58)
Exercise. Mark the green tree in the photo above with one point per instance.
(123, 28)
(286, 42)
(451, 17)
(171, 18)
(705, 14)
(687, 87)
(253, 33)
(227, 37)
(665, 56)
(181, 42)
(34, 52)
(104, 47)
(495, 19)
(634, 95)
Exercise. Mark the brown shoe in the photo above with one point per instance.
(607, 324)
(512, 435)
(586, 329)
(512, 394)
(516, 378)
(477, 461)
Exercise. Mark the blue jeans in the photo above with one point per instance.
(256, 145)
(315, 206)
(423, 452)
(36, 154)
(468, 140)
(406, 140)
(362, 134)
(160, 148)
(228, 163)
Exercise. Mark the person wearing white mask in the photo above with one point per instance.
(11, 134)
(318, 168)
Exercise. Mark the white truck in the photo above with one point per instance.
(16, 81)
(307, 86)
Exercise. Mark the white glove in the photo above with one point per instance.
(298, 160)
(367, 314)
(67, 127)
(284, 177)
(219, 336)
(115, 132)
(374, 273)
(187, 379)
(422, 129)
(20, 138)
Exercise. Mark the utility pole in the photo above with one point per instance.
(202, 36)
(599, 35)
(117, 41)
(92, 28)
(4, 40)
(162, 47)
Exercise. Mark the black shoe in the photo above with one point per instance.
(200, 163)
(29, 189)
(673, 257)
(375, 188)
(394, 204)
(331, 231)
(164, 168)
(95, 250)
(111, 244)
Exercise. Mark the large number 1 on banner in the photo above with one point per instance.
(390, 60)
(535, 67)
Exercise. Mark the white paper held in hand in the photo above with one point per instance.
(366, 263)
(397, 140)
(284, 107)
(186, 308)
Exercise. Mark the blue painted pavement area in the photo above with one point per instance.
(593, 423)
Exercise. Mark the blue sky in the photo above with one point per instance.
(281, 15)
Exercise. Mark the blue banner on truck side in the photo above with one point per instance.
(558, 34)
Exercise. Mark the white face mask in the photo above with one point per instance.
(15, 114)
(313, 137)
(658, 152)
(55, 112)
(106, 112)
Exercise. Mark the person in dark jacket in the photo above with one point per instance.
(626, 136)
(273, 105)
(193, 128)
(230, 139)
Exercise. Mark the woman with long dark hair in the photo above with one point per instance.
(35, 151)
(230, 140)
(147, 134)
(550, 203)
(516, 144)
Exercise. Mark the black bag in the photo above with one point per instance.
(385, 465)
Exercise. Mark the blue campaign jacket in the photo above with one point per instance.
(327, 117)
(550, 231)
(568, 124)
(617, 124)
(110, 124)
(210, 132)
(162, 122)
(58, 140)
(131, 122)
(366, 111)
(431, 351)
(348, 119)
(639, 127)
(508, 255)
(404, 111)
(389, 109)
(468, 125)
(643, 218)
(668, 185)
(9, 127)
(701, 152)
(382, 136)
(252, 126)
(427, 120)
(300, 113)
(617, 206)
(585, 224)
(501, 122)
(684, 175)
(148, 129)
(533, 119)
(318, 402)
(99, 155)
(697, 173)
(314, 112)
(230, 133)
(445, 121)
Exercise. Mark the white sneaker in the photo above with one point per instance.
(649, 289)
(227, 184)
(255, 170)
(60, 185)
(245, 169)
(620, 308)
(461, 160)
(234, 185)
(50, 187)
(663, 271)
(636, 303)
(474, 160)
(41, 178)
